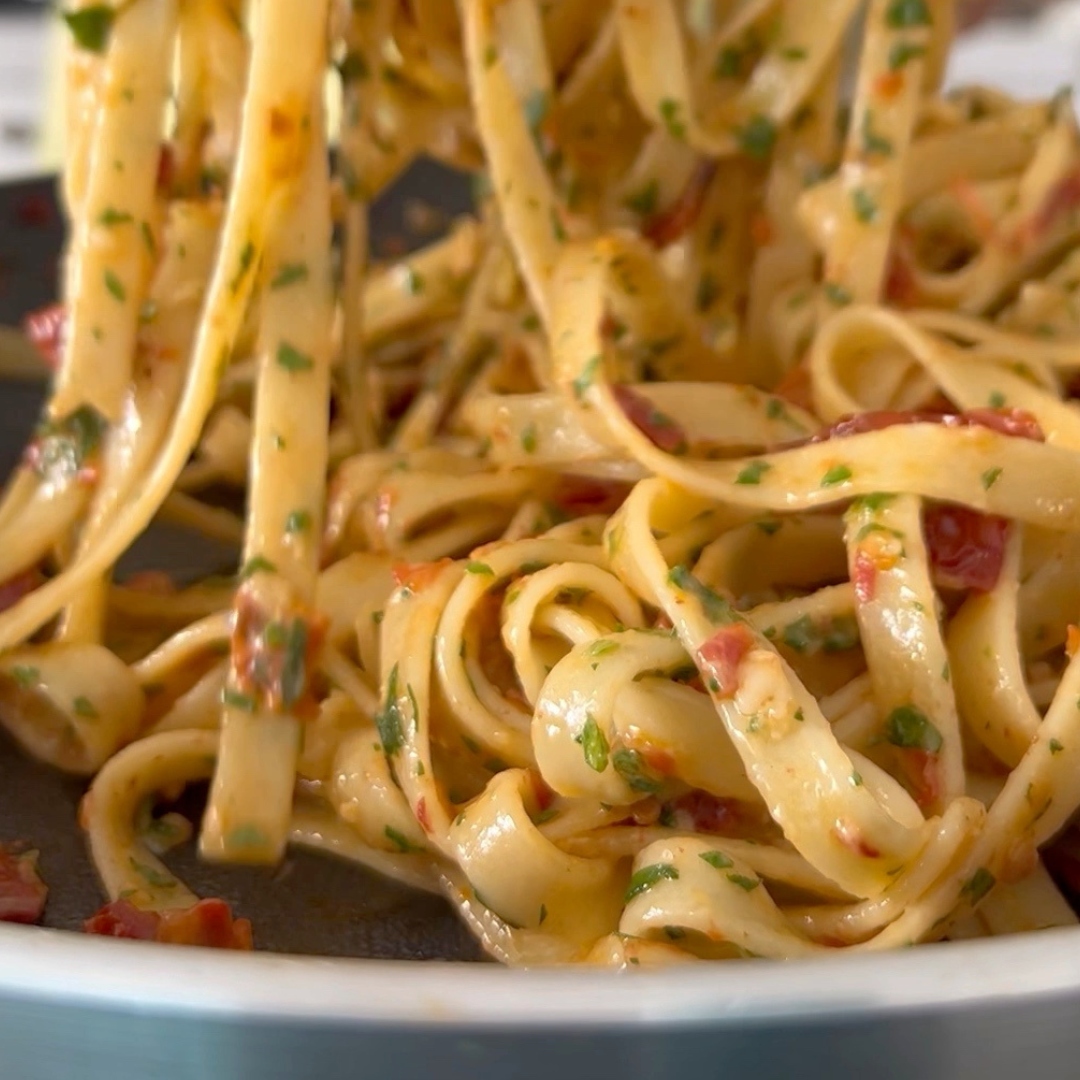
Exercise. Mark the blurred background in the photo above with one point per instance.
(1003, 36)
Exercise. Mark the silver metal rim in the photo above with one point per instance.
(61, 968)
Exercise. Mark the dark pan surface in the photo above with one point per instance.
(311, 904)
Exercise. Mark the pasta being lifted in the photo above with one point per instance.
(676, 561)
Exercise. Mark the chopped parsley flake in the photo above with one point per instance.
(747, 884)
(836, 475)
(990, 477)
(717, 859)
(257, 564)
(717, 609)
(289, 274)
(595, 745)
(645, 199)
(587, 377)
(628, 764)
(758, 137)
(292, 359)
(84, 707)
(910, 728)
(902, 53)
(669, 113)
(110, 217)
(388, 719)
(91, 26)
(753, 473)
(1055, 746)
(648, 876)
(528, 439)
(115, 286)
(400, 841)
(474, 567)
(904, 13)
(234, 699)
(979, 884)
(25, 675)
(865, 206)
(297, 522)
(836, 294)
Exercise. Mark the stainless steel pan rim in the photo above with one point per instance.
(57, 967)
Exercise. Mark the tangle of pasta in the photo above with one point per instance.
(688, 564)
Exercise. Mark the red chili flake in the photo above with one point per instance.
(418, 576)
(166, 170)
(1017, 423)
(22, 892)
(889, 84)
(659, 428)
(422, 814)
(151, 582)
(1062, 198)
(722, 654)
(850, 835)
(580, 496)
(47, 329)
(34, 210)
(966, 548)
(670, 224)
(14, 589)
(208, 923)
(273, 658)
(796, 387)
(923, 773)
(864, 576)
(705, 813)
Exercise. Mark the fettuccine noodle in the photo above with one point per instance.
(676, 561)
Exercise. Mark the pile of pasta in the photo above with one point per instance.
(675, 560)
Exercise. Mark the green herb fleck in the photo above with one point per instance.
(990, 478)
(669, 113)
(629, 765)
(747, 884)
(587, 377)
(717, 609)
(234, 699)
(717, 859)
(151, 875)
(84, 707)
(648, 876)
(595, 745)
(400, 841)
(645, 199)
(388, 719)
(25, 675)
(836, 294)
(91, 26)
(1055, 746)
(257, 564)
(115, 286)
(979, 884)
(758, 137)
(528, 439)
(752, 474)
(902, 53)
(110, 216)
(289, 274)
(298, 521)
(474, 567)
(836, 475)
(292, 359)
(865, 206)
(904, 13)
(909, 727)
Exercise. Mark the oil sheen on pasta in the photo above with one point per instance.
(688, 565)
